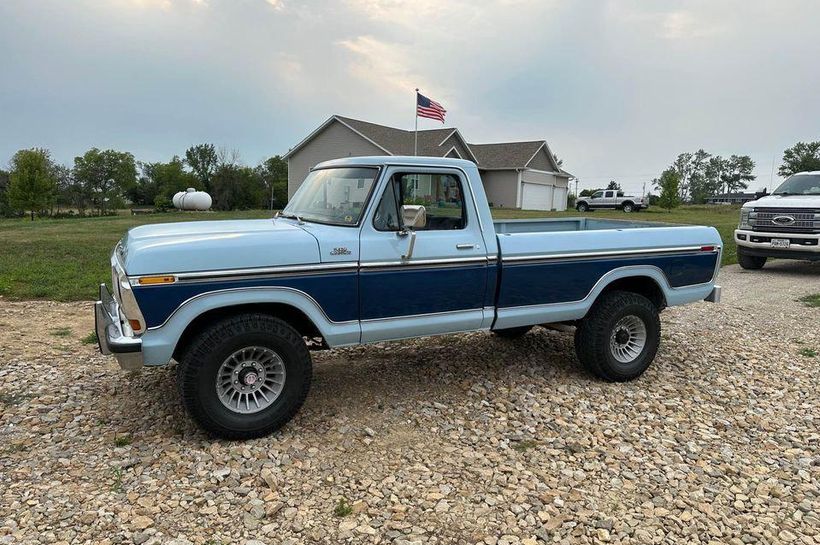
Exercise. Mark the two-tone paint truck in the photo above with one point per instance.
(373, 249)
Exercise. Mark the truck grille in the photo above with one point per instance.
(806, 220)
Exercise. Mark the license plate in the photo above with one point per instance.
(780, 243)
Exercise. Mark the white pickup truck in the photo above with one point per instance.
(373, 249)
(611, 198)
(785, 224)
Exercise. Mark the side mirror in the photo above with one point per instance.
(414, 216)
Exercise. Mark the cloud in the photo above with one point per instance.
(618, 87)
(387, 66)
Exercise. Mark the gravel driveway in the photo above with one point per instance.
(465, 439)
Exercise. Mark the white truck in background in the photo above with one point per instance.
(783, 225)
(611, 198)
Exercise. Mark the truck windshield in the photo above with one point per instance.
(800, 184)
(332, 195)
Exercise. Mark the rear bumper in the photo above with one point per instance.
(758, 243)
(714, 295)
(110, 335)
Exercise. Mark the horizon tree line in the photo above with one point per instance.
(101, 181)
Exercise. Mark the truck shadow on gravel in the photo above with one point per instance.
(364, 382)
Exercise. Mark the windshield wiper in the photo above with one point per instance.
(291, 216)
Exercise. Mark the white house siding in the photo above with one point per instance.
(558, 193)
(334, 142)
(501, 187)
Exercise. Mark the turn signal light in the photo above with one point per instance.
(153, 280)
(135, 324)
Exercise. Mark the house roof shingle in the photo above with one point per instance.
(436, 143)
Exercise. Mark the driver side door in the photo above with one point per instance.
(427, 279)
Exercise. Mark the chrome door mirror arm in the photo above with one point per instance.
(411, 244)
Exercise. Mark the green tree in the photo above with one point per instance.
(669, 185)
(32, 181)
(738, 172)
(235, 187)
(690, 167)
(203, 160)
(6, 209)
(802, 157)
(614, 185)
(105, 175)
(274, 174)
(160, 181)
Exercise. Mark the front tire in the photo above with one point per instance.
(245, 376)
(582, 207)
(750, 262)
(619, 337)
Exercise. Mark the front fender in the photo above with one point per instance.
(159, 342)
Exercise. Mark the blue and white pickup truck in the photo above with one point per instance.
(373, 249)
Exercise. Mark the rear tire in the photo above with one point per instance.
(239, 357)
(512, 332)
(628, 207)
(619, 337)
(750, 262)
(582, 207)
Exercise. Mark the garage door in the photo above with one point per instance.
(536, 196)
(559, 200)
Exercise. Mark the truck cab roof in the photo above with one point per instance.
(386, 160)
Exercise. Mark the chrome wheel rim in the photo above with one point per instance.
(250, 379)
(628, 339)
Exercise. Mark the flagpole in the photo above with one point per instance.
(416, 137)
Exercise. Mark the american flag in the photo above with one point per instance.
(429, 108)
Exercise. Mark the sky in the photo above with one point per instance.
(617, 88)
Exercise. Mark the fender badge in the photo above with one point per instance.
(341, 250)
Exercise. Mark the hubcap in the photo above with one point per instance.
(250, 379)
(628, 339)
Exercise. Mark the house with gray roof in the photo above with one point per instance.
(515, 174)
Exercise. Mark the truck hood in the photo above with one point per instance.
(787, 201)
(168, 248)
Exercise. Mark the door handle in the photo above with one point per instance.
(465, 246)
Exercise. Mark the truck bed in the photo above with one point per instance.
(553, 269)
(541, 225)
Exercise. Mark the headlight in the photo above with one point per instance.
(746, 219)
(126, 299)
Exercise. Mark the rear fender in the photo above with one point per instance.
(575, 310)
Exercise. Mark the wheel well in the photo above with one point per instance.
(290, 314)
(642, 285)
(627, 202)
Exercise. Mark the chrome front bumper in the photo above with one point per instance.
(110, 335)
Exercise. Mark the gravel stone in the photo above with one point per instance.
(448, 440)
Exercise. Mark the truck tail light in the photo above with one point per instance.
(707, 248)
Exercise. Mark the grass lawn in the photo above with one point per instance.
(66, 259)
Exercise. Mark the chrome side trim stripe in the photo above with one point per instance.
(264, 272)
(412, 263)
(613, 253)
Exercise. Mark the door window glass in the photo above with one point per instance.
(440, 195)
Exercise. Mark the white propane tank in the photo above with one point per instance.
(192, 200)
